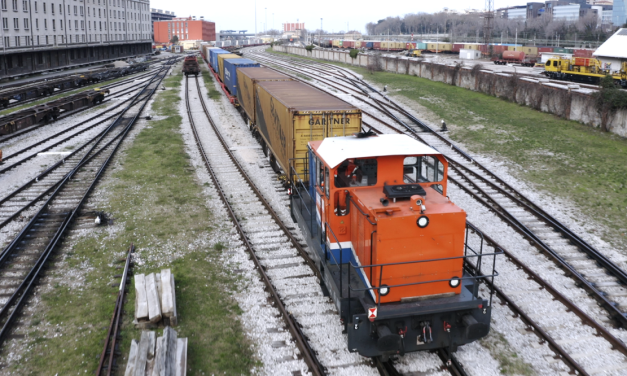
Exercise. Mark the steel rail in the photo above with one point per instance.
(114, 325)
(309, 356)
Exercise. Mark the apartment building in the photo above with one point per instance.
(39, 35)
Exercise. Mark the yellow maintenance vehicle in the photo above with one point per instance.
(583, 69)
(414, 53)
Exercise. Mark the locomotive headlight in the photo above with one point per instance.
(454, 282)
(384, 290)
(423, 221)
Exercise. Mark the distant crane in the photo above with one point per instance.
(488, 25)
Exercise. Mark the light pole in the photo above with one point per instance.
(320, 38)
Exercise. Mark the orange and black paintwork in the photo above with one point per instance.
(364, 220)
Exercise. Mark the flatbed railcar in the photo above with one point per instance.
(21, 92)
(395, 254)
(49, 112)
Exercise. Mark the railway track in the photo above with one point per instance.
(44, 145)
(539, 234)
(30, 194)
(26, 256)
(281, 259)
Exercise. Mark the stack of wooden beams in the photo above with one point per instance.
(155, 300)
(158, 356)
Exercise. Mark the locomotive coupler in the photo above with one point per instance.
(427, 335)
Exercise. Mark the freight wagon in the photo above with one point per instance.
(221, 59)
(515, 57)
(213, 57)
(289, 114)
(247, 79)
(190, 66)
(49, 112)
(231, 67)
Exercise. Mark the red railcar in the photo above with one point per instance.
(457, 47)
(583, 53)
(515, 57)
(376, 45)
(545, 49)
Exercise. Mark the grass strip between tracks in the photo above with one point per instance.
(158, 205)
(564, 158)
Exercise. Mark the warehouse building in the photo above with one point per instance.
(42, 35)
(613, 53)
(185, 28)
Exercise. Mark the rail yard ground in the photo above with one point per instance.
(573, 164)
(155, 201)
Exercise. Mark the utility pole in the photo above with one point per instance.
(255, 17)
(320, 38)
(516, 40)
(488, 17)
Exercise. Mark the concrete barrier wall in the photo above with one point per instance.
(577, 105)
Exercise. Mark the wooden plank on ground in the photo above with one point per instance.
(169, 339)
(142, 354)
(141, 303)
(159, 358)
(154, 304)
(132, 356)
(167, 308)
(181, 357)
(174, 317)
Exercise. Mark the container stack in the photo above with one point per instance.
(155, 300)
(158, 356)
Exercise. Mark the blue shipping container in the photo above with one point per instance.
(230, 72)
(369, 44)
(213, 60)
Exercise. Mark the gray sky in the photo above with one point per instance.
(240, 14)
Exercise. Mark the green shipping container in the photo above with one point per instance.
(560, 50)
(421, 46)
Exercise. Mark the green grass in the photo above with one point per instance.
(159, 206)
(564, 158)
(207, 76)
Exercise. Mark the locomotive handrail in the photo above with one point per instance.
(361, 211)
(302, 199)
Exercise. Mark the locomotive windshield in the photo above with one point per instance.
(356, 173)
(422, 169)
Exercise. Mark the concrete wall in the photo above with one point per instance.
(576, 104)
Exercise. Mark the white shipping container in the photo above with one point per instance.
(545, 56)
(469, 54)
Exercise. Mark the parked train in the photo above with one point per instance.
(583, 69)
(21, 92)
(388, 242)
(493, 50)
(190, 66)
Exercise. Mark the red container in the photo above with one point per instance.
(483, 48)
(499, 49)
(583, 53)
(410, 46)
(376, 45)
(584, 62)
(348, 44)
(457, 47)
(545, 49)
(514, 55)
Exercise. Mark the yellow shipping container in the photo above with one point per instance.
(247, 79)
(446, 46)
(530, 51)
(357, 44)
(336, 42)
(471, 46)
(221, 58)
(290, 114)
(400, 45)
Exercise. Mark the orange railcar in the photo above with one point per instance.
(392, 248)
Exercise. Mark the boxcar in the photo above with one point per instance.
(289, 114)
(213, 59)
(247, 79)
(221, 59)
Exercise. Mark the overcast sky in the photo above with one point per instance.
(240, 14)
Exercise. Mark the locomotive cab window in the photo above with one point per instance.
(356, 173)
(554, 63)
(423, 169)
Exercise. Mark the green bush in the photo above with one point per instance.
(354, 52)
(609, 99)
(310, 47)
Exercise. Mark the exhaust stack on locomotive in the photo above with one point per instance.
(395, 253)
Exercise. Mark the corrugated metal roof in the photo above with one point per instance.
(335, 150)
(300, 97)
(615, 47)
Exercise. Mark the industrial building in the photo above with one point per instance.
(43, 35)
(614, 51)
(608, 12)
(185, 28)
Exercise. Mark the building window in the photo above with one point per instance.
(7, 43)
(75, 24)
(17, 44)
(15, 5)
(55, 39)
(60, 9)
(37, 24)
(35, 7)
(5, 23)
(26, 25)
(16, 24)
(38, 41)
(82, 11)
(25, 5)
(75, 10)
(4, 4)
(82, 25)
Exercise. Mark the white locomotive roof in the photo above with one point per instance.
(335, 150)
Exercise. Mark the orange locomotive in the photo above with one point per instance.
(393, 250)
